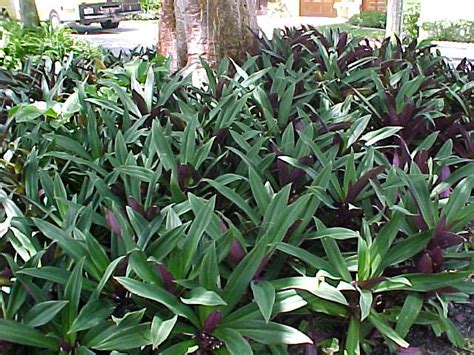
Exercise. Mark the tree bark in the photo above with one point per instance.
(394, 18)
(182, 44)
(209, 29)
(29, 14)
(167, 29)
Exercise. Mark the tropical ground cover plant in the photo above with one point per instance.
(314, 197)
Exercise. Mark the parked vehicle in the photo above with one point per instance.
(108, 13)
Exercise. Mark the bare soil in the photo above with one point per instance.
(463, 317)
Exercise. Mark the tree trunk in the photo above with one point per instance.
(208, 29)
(167, 29)
(394, 18)
(29, 14)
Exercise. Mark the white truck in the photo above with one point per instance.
(108, 13)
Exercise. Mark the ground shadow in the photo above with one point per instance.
(97, 30)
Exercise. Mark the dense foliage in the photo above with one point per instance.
(19, 43)
(455, 31)
(411, 17)
(150, 5)
(150, 11)
(313, 197)
(370, 18)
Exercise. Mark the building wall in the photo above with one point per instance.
(378, 5)
(293, 6)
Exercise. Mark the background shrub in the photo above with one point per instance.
(19, 43)
(371, 18)
(150, 5)
(456, 31)
(150, 11)
(411, 16)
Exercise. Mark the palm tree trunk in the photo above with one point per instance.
(394, 18)
(167, 29)
(29, 14)
(182, 44)
(208, 29)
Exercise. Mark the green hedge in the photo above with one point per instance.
(372, 19)
(456, 31)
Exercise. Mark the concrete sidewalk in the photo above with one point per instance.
(456, 51)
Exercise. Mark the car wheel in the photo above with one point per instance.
(107, 25)
(55, 19)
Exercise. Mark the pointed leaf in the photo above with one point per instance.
(264, 294)
(42, 313)
(25, 335)
(365, 304)
(93, 313)
(161, 330)
(384, 328)
(408, 315)
(234, 342)
(270, 333)
(159, 295)
(127, 338)
(203, 297)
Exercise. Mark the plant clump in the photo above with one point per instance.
(17, 44)
(314, 197)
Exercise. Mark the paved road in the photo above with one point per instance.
(129, 35)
